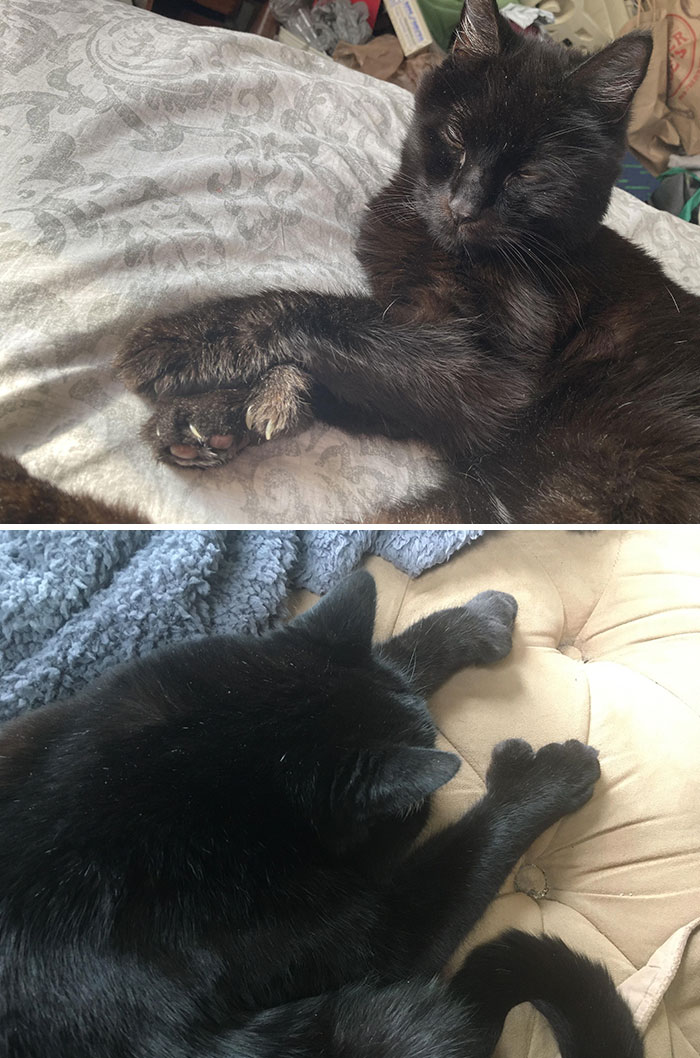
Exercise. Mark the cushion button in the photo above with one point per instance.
(532, 880)
(570, 651)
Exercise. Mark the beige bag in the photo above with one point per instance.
(666, 109)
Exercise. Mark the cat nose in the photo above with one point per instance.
(464, 207)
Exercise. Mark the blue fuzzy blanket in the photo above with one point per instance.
(75, 602)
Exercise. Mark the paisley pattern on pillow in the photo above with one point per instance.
(148, 165)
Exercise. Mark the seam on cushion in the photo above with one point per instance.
(461, 756)
(602, 932)
(615, 829)
(666, 1027)
(643, 676)
(555, 830)
(535, 558)
(656, 637)
(579, 635)
(679, 1030)
(400, 606)
(533, 1015)
(670, 1022)
(590, 710)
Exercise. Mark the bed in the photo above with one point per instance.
(149, 165)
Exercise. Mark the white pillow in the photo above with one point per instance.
(148, 165)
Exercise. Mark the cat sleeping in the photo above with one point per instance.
(548, 359)
(209, 853)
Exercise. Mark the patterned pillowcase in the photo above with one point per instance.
(149, 165)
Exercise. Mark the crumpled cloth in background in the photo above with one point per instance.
(383, 58)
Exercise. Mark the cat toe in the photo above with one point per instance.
(185, 452)
(279, 403)
(267, 423)
(211, 452)
(222, 441)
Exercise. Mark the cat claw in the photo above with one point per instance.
(272, 426)
(279, 403)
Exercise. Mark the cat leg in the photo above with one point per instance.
(439, 382)
(576, 995)
(438, 894)
(436, 647)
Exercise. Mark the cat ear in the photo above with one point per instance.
(478, 34)
(613, 75)
(389, 782)
(343, 620)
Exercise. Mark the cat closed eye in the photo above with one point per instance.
(520, 176)
(452, 138)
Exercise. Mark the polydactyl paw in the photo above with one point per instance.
(200, 430)
(208, 429)
(558, 778)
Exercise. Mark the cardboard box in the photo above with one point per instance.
(409, 25)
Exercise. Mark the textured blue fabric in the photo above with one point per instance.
(75, 602)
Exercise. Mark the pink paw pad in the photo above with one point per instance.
(220, 441)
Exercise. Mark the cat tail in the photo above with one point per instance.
(576, 995)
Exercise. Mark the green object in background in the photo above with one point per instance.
(679, 193)
(442, 17)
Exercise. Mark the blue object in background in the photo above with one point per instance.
(636, 179)
(73, 603)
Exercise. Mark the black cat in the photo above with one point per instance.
(550, 360)
(208, 854)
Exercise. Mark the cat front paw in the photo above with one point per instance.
(202, 430)
(495, 613)
(553, 781)
(205, 430)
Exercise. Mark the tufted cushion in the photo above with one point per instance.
(605, 650)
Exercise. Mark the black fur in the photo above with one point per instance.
(208, 854)
(551, 361)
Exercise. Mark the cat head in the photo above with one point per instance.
(358, 740)
(516, 140)
(301, 742)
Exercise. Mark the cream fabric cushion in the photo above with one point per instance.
(605, 650)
